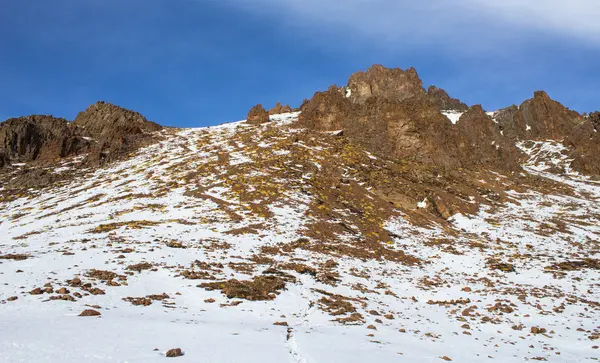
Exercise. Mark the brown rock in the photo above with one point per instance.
(117, 131)
(39, 138)
(62, 291)
(12, 298)
(257, 115)
(584, 141)
(538, 118)
(326, 111)
(280, 109)
(173, 353)
(537, 330)
(36, 291)
(378, 81)
(90, 312)
(443, 101)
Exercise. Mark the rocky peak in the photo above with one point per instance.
(104, 118)
(539, 117)
(443, 101)
(392, 84)
(257, 115)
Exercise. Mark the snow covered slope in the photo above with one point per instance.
(215, 241)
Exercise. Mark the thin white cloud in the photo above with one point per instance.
(467, 22)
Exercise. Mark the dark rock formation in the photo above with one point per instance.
(104, 132)
(394, 85)
(101, 119)
(443, 101)
(280, 109)
(326, 111)
(257, 115)
(117, 131)
(388, 112)
(584, 141)
(39, 138)
(538, 118)
(482, 144)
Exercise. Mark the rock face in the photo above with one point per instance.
(104, 131)
(101, 119)
(389, 112)
(278, 109)
(326, 111)
(443, 101)
(584, 140)
(117, 131)
(39, 138)
(394, 85)
(481, 142)
(257, 115)
(538, 118)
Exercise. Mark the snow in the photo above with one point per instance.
(453, 116)
(56, 226)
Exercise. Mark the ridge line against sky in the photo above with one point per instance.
(201, 62)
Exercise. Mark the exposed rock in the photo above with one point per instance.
(174, 353)
(443, 101)
(102, 119)
(39, 138)
(90, 312)
(104, 132)
(257, 115)
(326, 111)
(260, 288)
(584, 141)
(280, 109)
(538, 118)
(388, 112)
(390, 84)
(482, 144)
(117, 131)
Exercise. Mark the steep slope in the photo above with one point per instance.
(280, 242)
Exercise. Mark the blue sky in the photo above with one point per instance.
(203, 62)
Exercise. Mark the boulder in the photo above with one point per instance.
(257, 115)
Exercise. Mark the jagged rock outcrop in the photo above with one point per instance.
(326, 111)
(538, 118)
(482, 144)
(443, 101)
(389, 112)
(584, 141)
(257, 115)
(378, 81)
(104, 132)
(102, 118)
(278, 109)
(39, 138)
(116, 130)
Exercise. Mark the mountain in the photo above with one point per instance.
(379, 222)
